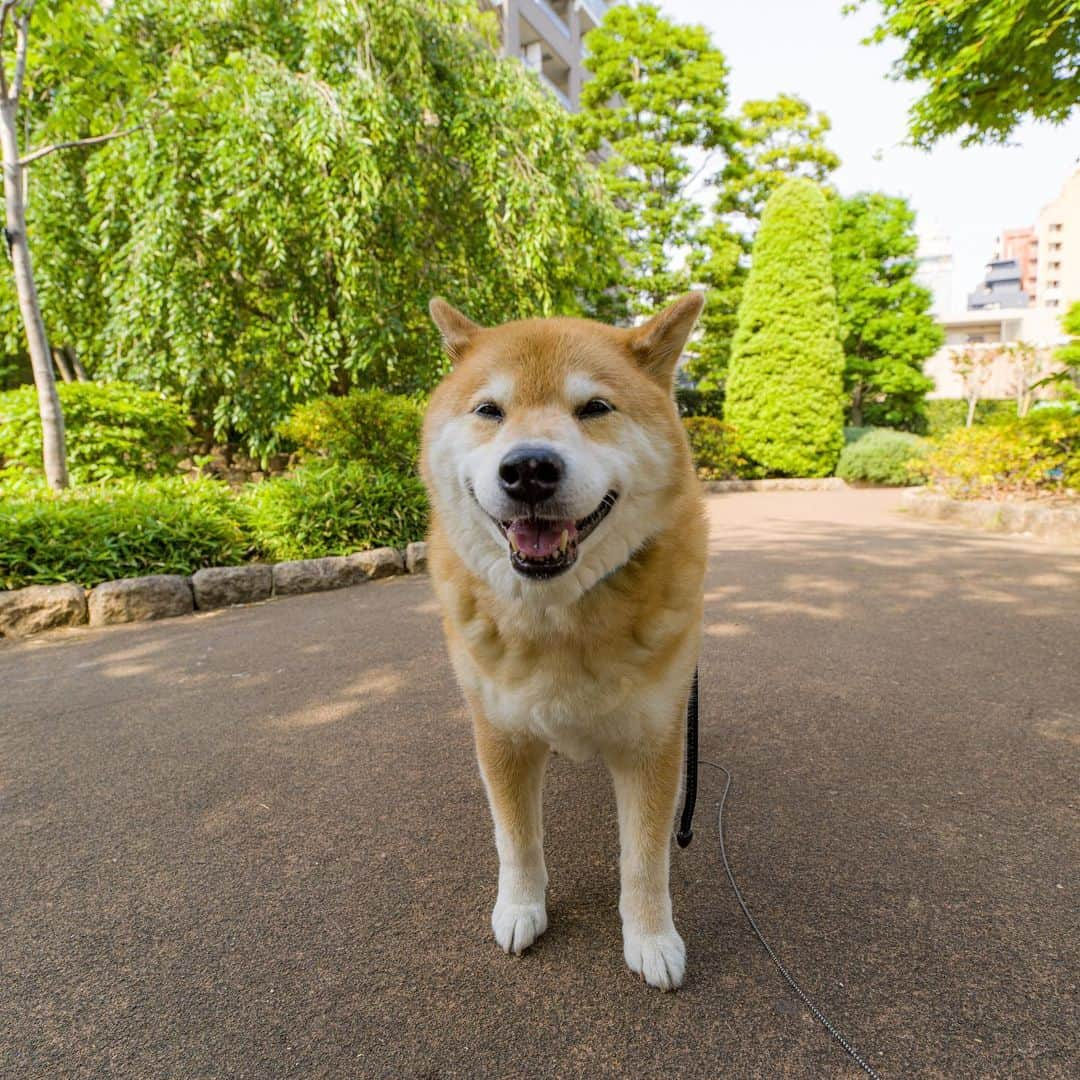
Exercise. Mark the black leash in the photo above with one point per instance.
(686, 834)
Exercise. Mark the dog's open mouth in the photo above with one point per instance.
(545, 547)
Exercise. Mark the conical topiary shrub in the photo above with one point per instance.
(785, 388)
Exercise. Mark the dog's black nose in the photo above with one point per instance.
(530, 474)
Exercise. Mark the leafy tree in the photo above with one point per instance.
(1068, 379)
(785, 388)
(776, 140)
(657, 97)
(886, 328)
(988, 63)
(302, 178)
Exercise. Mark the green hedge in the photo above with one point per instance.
(784, 388)
(101, 532)
(1040, 453)
(113, 430)
(93, 534)
(332, 509)
(881, 456)
(371, 426)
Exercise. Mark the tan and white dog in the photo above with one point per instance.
(567, 548)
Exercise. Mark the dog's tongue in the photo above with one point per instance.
(540, 539)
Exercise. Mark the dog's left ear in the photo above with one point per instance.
(457, 330)
(658, 344)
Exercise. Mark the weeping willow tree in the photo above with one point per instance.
(301, 177)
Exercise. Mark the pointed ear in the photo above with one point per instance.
(455, 328)
(658, 344)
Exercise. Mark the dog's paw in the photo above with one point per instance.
(660, 959)
(517, 926)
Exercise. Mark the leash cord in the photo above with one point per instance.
(788, 977)
(686, 832)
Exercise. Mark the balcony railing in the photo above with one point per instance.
(593, 10)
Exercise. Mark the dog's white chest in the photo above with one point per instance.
(579, 716)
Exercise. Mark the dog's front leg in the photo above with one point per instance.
(646, 789)
(513, 770)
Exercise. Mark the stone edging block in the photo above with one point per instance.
(41, 607)
(793, 483)
(161, 596)
(158, 596)
(1061, 523)
(224, 586)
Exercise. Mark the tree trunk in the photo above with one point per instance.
(856, 407)
(62, 365)
(973, 400)
(52, 418)
(76, 364)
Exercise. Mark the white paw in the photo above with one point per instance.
(660, 959)
(517, 926)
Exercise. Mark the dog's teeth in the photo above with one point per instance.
(565, 540)
(513, 543)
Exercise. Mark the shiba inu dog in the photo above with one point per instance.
(567, 549)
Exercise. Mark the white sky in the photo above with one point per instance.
(808, 48)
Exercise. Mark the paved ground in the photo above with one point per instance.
(253, 843)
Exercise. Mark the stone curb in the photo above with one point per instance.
(1059, 523)
(794, 483)
(161, 596)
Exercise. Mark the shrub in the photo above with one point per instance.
(328, 508)
(882, 456)
(785, 388)
(113, 430)
(369, 426)
(854, 434)
(694, 402)
(714, 445)
(947, 414)
(1040, 453)
(98, 533)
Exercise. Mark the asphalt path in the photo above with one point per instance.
(253, 843)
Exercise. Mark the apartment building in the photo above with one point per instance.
(546, 36)
(1021, 245)
(1058, 271)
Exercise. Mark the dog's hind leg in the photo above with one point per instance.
(646, 790)
(513, 770)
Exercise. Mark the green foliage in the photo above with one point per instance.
(125, 529)
(1039, 453)
(371, 426)
(785, 389)
(987, 63)
(715, 447)
(113, 430)
(306, 176)
(1067, 381)
(944, 415)
(886, 328)
(694, 401)
(882, 456)
(328, 508)
(775, 140)
(658, 92)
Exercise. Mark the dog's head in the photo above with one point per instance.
(553, 448)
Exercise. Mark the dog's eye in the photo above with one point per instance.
(489, 410)
(595, 407)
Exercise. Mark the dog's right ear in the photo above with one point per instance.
(457, 330)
